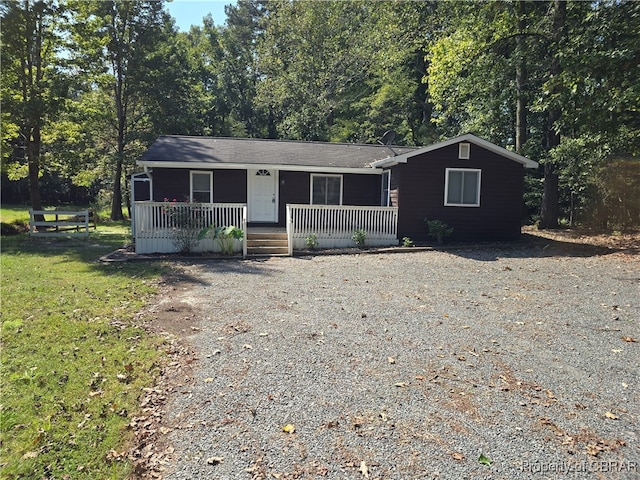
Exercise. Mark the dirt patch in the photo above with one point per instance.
(172, 315)
(627, 243)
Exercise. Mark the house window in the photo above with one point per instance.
(464, 151)
(326, 189)
(202, 187)
(462, 187)
(385, 199)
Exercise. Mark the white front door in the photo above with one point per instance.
(263, 195)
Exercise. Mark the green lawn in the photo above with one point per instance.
(73, 361)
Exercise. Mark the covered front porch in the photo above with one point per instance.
(155, 225)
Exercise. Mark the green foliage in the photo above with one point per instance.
(407, 242)
(311, 241)
(225, 236)
(359, 237)
(557, 81)
(185, 223)
(438, 230)
(74, 362)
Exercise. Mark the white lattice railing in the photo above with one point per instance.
(154, 221)
(334, 225)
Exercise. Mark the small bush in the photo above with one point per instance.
(223, 235)
(184, 223)
(359, 237)
(438, 230)
(16, 227)
(311, 241)
(407, 242)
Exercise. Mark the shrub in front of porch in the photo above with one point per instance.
(184, 222)
(438, 230)
(224, 235)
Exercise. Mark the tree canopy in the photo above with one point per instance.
(86, 86)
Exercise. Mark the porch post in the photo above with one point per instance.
(289, 230)
(244, 229)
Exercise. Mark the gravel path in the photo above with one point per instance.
(412, 365)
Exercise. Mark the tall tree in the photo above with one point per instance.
(550, 196)
(33, 86)
(116, 41)
(239, 75)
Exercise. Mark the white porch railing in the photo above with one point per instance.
(334, 225)
(154, 222)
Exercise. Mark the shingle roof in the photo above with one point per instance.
(225, 150)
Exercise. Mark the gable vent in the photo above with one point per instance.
(464, 151)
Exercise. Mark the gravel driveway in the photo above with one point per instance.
(466, 364)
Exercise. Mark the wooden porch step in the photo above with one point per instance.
(267, 243)
(267, 251)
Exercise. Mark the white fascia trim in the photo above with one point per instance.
(391, 161)
(254, 166)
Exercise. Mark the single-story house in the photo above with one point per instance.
(329, 189)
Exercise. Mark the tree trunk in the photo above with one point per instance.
(32, 139)
(116, 204)
(550, 210)
(521, 81)
(121, 112)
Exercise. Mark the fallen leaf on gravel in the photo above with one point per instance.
(615, 350)
(592, 449)
(364, 470)
(214, 460)
(457, 456)
(289, 428)
(629, 339)
(208, 380)
(391, 360)
(401, 384)
(421, 377)
(484, 460)
(610, 415)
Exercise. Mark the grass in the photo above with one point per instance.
(74, 363)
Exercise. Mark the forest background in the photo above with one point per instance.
(87, 86)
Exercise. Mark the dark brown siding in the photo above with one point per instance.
(229, 186)
(142, 191)
(171, 183)
(421, 184)
(361, 189)
(295, 187)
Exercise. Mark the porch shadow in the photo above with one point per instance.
(531, 246)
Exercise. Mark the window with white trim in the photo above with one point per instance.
(385, 198)
(462, 187)
(201, 184)
(326, 189)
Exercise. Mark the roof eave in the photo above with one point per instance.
(248, 166)
(469, 137)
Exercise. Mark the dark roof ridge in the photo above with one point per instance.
(286, 140)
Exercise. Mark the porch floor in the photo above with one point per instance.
(273, 229)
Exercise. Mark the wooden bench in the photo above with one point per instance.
(65, 222)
